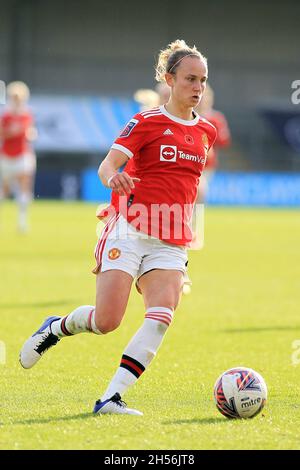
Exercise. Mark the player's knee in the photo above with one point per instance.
(106, 323)
(107, 326)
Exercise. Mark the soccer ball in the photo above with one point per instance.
(240, 393)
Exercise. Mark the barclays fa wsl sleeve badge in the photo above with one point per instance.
(127, 130)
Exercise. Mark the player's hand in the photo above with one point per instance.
(31, 134)
(122, 183)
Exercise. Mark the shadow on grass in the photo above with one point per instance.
(83, 416)
(196, 421)
(53, 419)
(261, 329)
(56, 303)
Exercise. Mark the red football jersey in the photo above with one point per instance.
(14, 126)
(223, 137)
(168, 155)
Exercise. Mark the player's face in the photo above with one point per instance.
(16, 101)
(189, 82)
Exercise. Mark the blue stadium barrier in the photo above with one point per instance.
(57, 184)
(233, 189)
(255, 189)
(91, 188)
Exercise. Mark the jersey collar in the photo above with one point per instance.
(179, 120)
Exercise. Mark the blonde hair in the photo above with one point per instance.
(146, 98)
(207, 101)
(170, 58)
(20, 89)
(163, 90)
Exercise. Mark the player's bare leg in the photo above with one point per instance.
(161, 290)
(161, 287)
(112, 293)
(24, 197)
(113, 288)
(4, 193)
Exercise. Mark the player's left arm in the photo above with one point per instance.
(31, 132)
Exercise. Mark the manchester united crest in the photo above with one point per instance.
(205, 139)
(114, 253)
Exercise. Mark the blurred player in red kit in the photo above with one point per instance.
(148, 231)
(223, 140)
(17, 158)
(205, 108)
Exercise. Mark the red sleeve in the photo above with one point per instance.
(133, 136)
(3, 119)
(212, 136)
(223, 133)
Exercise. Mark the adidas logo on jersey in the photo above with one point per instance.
(168, 132)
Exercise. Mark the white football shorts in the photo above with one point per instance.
(122, 247)
(12, 167)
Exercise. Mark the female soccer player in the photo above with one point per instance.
(17, 158)
(148, 230)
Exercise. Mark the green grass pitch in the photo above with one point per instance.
(243, 310)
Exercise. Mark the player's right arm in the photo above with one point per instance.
(108, 173)
(128, 144)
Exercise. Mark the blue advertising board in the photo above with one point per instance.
(234, 189)
(255, 189)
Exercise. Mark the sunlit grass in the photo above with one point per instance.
(243, 310)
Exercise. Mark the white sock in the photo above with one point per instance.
(23, 202)
(141, 350)
(81, 320)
